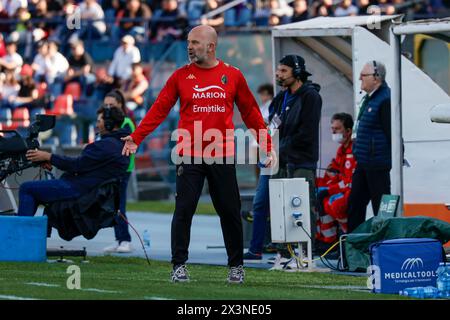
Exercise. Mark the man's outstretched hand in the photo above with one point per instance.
(130, 147)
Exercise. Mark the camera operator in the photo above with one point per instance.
(99, 162)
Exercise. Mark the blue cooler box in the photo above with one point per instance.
(23, 238)
(403, 263)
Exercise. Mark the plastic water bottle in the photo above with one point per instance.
(420, 292)
(146, 238)
(443, 279)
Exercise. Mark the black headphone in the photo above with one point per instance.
(375, 69)
(107, 118)
(297, 70)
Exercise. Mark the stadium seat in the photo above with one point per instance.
(5, 116)
(20, 118)
(74, 89)
(63, 106)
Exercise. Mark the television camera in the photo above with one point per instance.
(13, 147)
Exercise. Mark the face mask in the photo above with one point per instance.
(337, 137)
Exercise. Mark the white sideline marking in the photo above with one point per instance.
(354, 288)
(42, 284)
(99, 290)
(157, 298)
(15, 298)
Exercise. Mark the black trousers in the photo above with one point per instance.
(225, 196)
(367, 185)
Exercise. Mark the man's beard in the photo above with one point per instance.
(198, 58)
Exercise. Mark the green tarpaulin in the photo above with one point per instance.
(380, 228)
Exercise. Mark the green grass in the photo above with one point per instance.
(133, 278)
(167, 207)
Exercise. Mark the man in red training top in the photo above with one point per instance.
(208, 89)
(335, 187)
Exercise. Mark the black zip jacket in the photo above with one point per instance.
(299, 129)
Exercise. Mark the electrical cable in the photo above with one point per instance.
(142, 243)
(309, 236)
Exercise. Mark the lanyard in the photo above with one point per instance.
(287, 99)
(363, 106)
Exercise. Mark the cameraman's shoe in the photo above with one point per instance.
(124, 247)
(112, 248)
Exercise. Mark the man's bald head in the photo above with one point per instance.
(202, 45)
(208, 33)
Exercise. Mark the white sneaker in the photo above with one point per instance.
(292, 264)
(112, 248)
(124, 247)
(279, 262)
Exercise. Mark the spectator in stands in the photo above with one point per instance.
(116, 99)
(300, 11)
(111, 8)
(12, 61)
(9, 89)
(194, 10)
(4, 27)
(135, 88)
(22, 93)
(346, 8)
(262, 13)
(323, 8)
(54, 7)
(135, 9)
(119, 70)
(92, 18)
(167, 23)
(215, 21)
(56, 66)
(11, 6)
(42, 12)
(362, 7)
(282, 10)
(274, 20)
(81, 67)
(239, 15)
(28, 95)
(39, 65)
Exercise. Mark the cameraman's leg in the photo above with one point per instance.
(121, 228)
(33, 193)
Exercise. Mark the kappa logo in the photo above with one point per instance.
(190, 77)
(410, 263)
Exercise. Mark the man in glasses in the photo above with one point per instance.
(372, 145)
